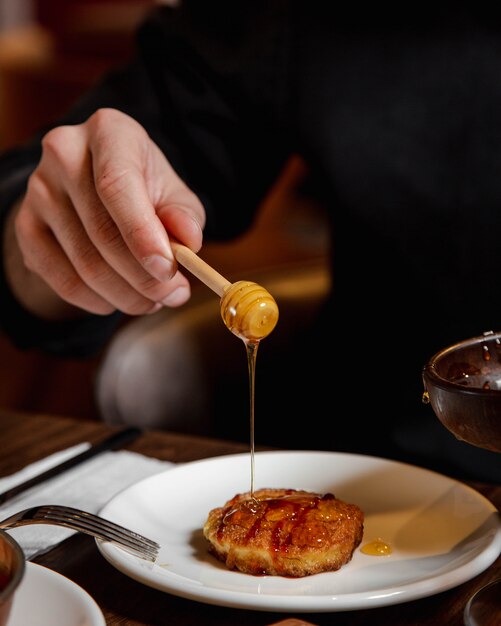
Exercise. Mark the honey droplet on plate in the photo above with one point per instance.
(378, 547)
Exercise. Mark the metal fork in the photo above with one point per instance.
(87, 523)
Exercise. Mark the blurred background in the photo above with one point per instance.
(50, 52)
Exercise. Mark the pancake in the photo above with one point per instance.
(284, 532)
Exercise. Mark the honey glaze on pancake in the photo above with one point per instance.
(287, 511)
(284, 532)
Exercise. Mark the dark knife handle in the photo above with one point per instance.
(114, 442)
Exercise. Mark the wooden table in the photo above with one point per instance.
(26, 438)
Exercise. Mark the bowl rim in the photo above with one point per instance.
(8, 591)
(430, 368)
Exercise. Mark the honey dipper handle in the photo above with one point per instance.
(199, 268)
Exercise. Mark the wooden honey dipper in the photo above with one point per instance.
(248, 310)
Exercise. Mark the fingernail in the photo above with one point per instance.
(159, 267)
(156, 307)
(197, 224)
(177, 297)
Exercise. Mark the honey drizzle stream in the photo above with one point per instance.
(251, 348)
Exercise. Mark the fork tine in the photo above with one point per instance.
(98, 523)
(97, 530)
(88, 523)
(101, 528)
(88, 526)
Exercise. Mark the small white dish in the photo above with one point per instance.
(46, 598)
(442, 532)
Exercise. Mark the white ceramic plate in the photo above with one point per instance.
(46, 598)
(442, 532)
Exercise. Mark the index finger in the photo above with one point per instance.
(133, 179)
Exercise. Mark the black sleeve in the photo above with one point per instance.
(208, 84)
(220, 76)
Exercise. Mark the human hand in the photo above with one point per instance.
(94, 224)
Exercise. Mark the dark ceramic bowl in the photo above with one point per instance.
(12, 568)
(463, 385)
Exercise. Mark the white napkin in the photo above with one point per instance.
(88, 486)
